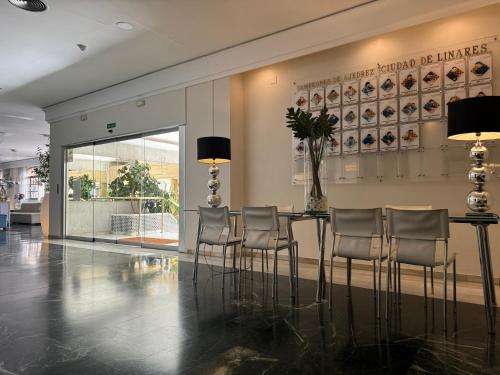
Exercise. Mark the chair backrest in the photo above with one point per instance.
(366, 222)
(215, 224)
(283, 220)
(410, 208)
(354, 231)
(418, 224)
(260, 226)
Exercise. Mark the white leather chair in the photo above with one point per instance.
(261, 231)
(414, 237)
(214, 229)
(358, 234)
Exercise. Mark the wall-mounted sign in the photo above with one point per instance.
(111, 125)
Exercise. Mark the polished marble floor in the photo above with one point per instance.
(65, 309)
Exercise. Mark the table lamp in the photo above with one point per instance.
(214, 150)
(476, 119)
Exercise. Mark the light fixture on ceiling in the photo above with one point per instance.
(124, 25)
(45, 135)
(13, 150)
(82, 47)
(30, 5)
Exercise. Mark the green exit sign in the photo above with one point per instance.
(111, 125)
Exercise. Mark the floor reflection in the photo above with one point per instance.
(70, 310)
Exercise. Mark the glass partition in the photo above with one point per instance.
(79, 192)
(127, 190)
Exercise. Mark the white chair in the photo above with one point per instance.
(358, 234)
(261, 231)
(413, 239)
(397, 266)
(214, 229)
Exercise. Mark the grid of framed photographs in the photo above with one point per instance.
(383, 113)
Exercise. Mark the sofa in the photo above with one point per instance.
(29, 213)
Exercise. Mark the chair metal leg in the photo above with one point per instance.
(394, 288)
(399, 282)
(262, 261)
(432, 280)
(267, 262)
(445, 296)
(379, 290)
(224, 250)
(388, 287)
(374, 280)
(275, 276)
(349, 275)
(251, 264)
(454, 285)
(195, 268)
(330, 304)
(242, 249)
(297, 272)
(425, 286)
(291, 270)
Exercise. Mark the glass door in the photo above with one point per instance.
(161, 190)
(79, 192)
(106, 225)
(125, 191)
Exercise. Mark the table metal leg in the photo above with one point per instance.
(487, 275)
(321, 231)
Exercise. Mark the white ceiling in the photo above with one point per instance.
(41, 64)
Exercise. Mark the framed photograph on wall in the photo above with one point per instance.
(431, 77)
(336, 116)
(388, 138)
(350, 142)
(300, 100)
(368, 88)
(481, 90)
(333, 94)
(454, 73)
(388, 111)
(409, 135)
(350, 92)
(350, 117)
(409, 81)
(453, 95)
(368, 114)
(480, 69)
(368, 140)
(387, 85)
(316, 98)
(298, 148)
(431, 105)
(409, 108)
(333, 148)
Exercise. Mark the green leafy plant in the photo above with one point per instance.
(43, 170)
(135, 180)
(316, 131)
(87, 185)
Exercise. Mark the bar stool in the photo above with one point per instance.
(261, 231)
(413, 239)
(214, 229)
(358, 234)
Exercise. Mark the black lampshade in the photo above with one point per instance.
(214, 150)
(473, 118)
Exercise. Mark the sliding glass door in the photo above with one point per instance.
(127, 189)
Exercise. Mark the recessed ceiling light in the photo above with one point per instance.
(31, 5)
(124, 25)
(13, 150)
(82, 47)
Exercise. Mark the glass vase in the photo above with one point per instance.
(315, 176)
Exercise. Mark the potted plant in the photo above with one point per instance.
(316, 132)
(42, 171)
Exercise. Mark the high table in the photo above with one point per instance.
(479, 221)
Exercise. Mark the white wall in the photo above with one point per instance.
(268, 141)
(192, 110)
(160, 112)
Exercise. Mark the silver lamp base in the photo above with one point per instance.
(478, 200)
(214, 199)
